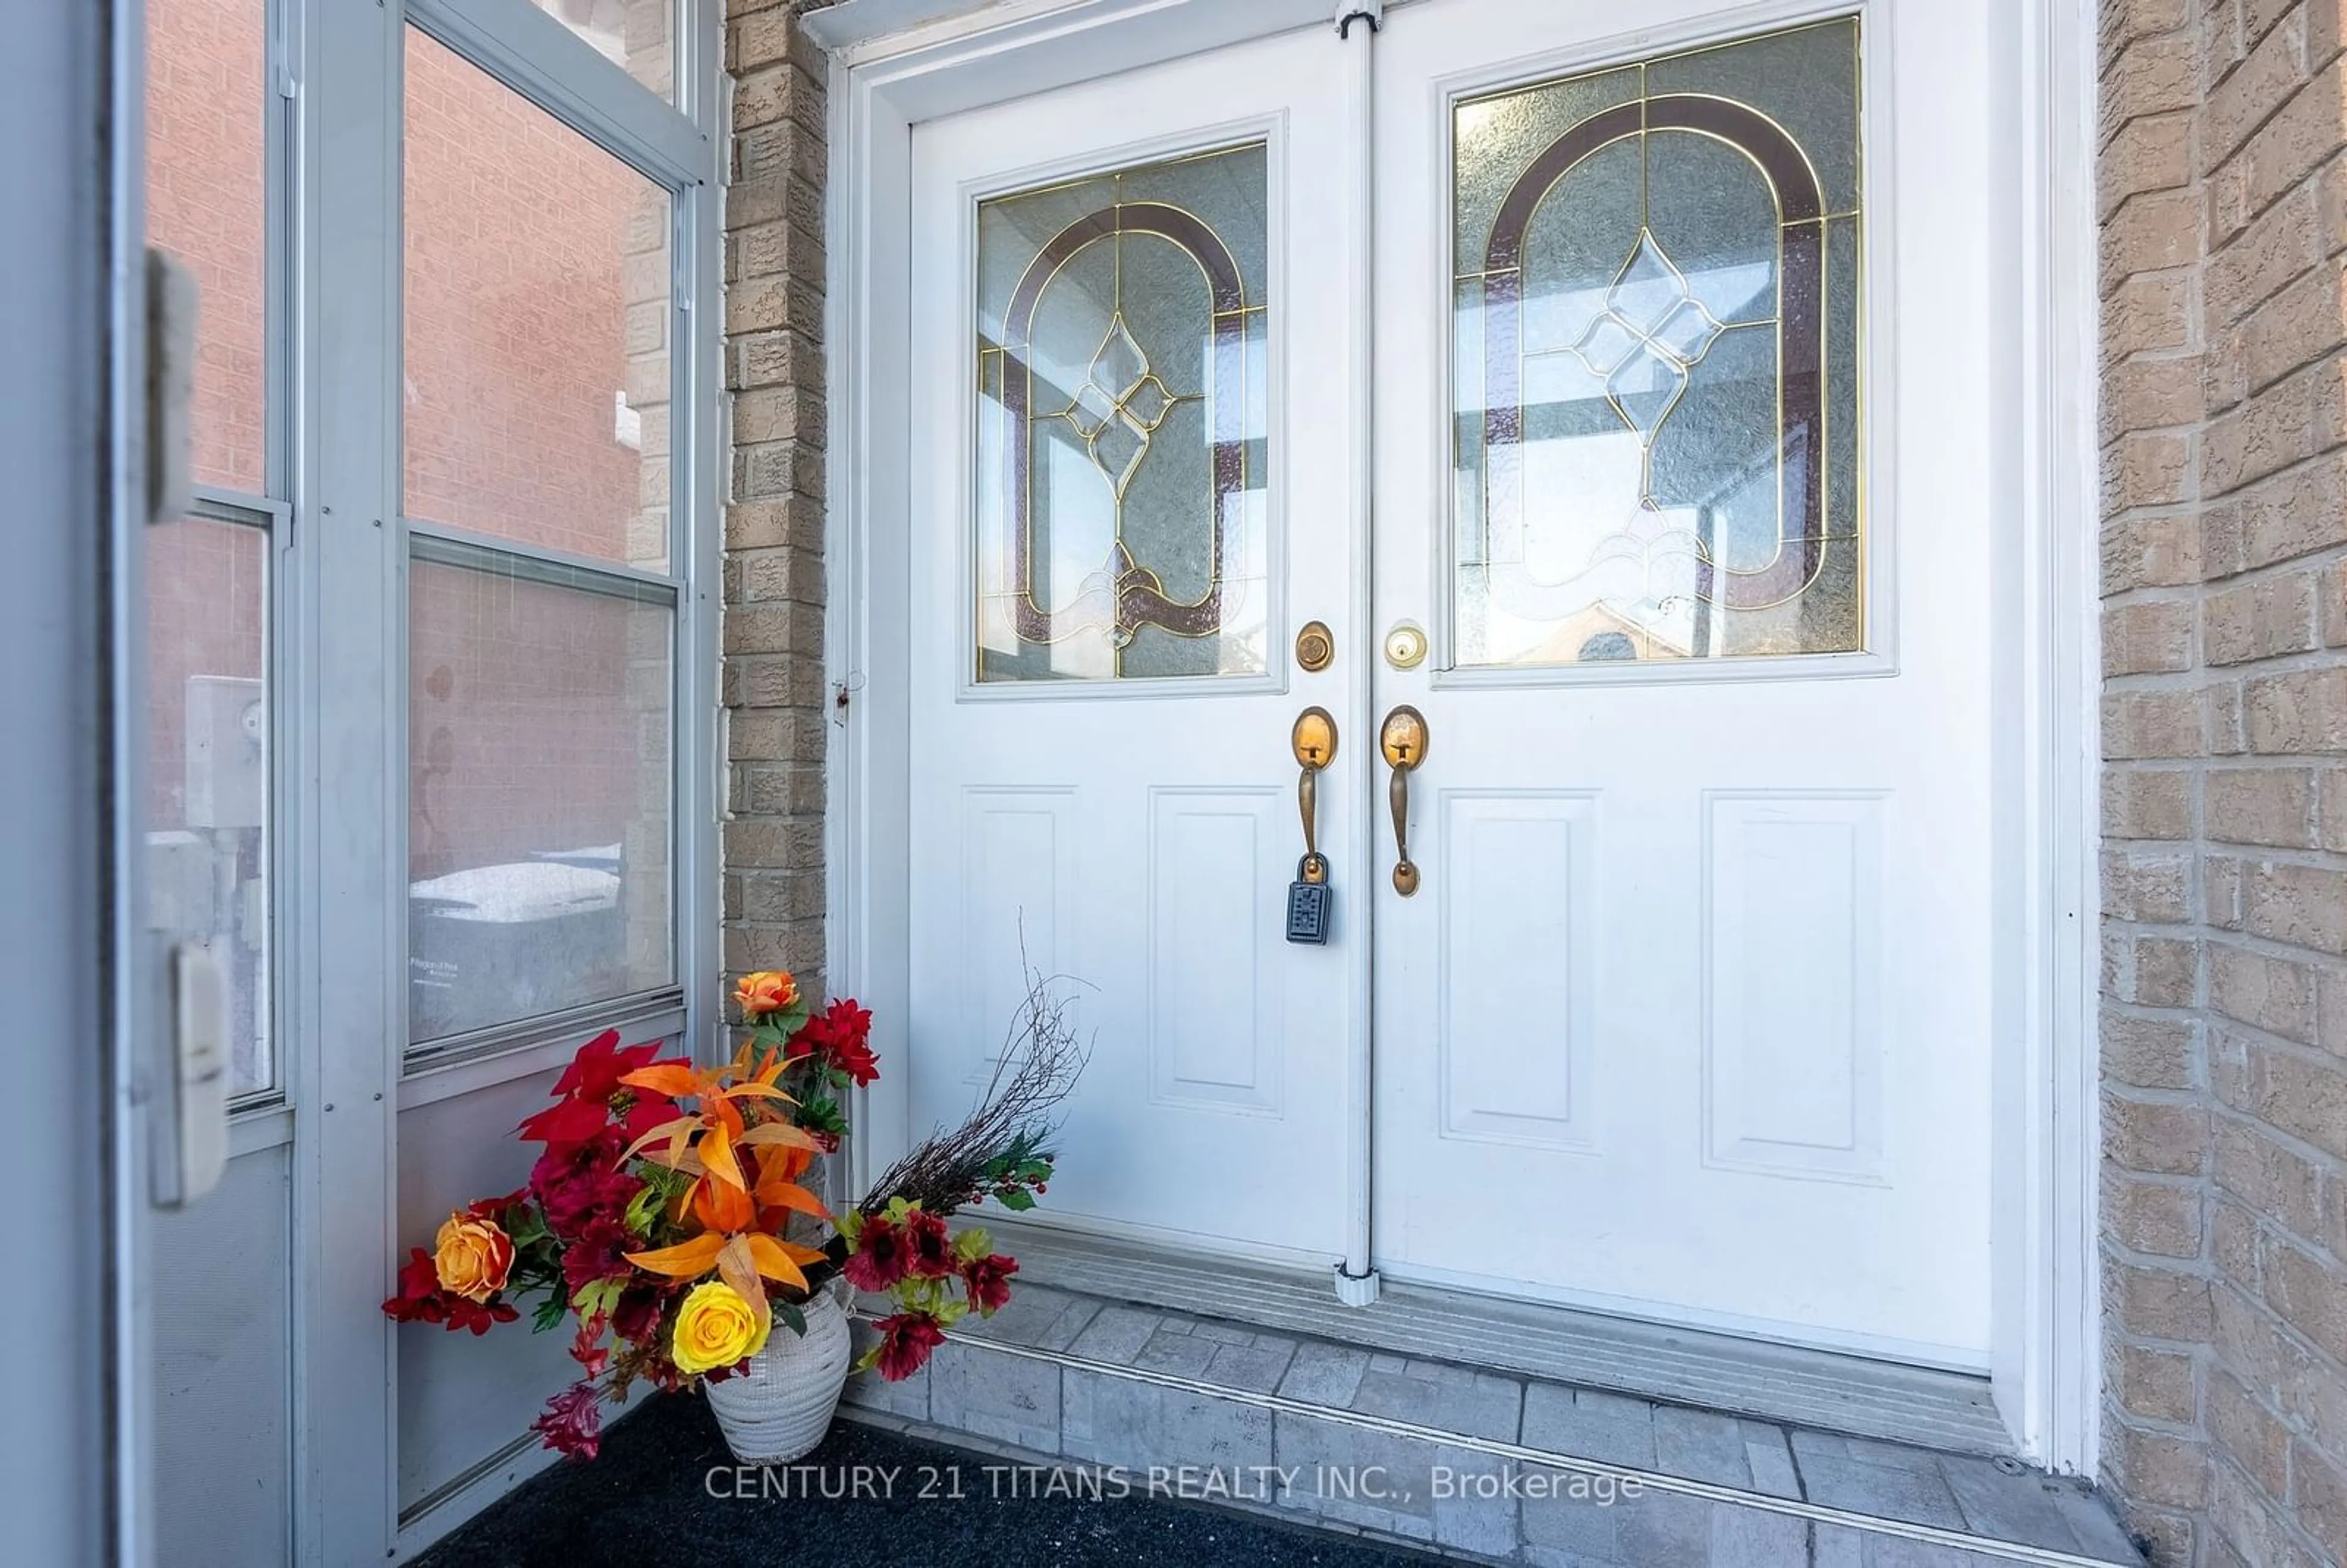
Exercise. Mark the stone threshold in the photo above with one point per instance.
(1486, 1465)
(1855, 1395)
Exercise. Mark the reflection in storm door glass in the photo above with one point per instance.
(1656, 349)
(637, 35)
(539, 787)
(207, 764)
(537, 314)
(1120, 499)
(207, 203)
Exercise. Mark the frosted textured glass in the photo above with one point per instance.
(1656, 334)
(1122, 444)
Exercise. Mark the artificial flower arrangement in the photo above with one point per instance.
(669, 1213)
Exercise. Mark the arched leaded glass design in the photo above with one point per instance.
(1656, 341)
(1121, 450)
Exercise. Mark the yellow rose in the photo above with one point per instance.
(715, 1328)
(768, 990)
(471, 1257)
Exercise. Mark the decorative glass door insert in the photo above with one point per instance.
(1122, 497)
(1656, 349)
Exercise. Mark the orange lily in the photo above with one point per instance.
(744, 1175)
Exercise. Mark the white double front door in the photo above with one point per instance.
(1670, 449)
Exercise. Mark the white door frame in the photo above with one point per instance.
(896, 62)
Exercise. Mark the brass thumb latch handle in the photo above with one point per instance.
(1314, 741)
(1403, 740)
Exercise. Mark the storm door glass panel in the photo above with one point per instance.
(1122, 433)
(207, 204)
(539, 798)
(537, 314)
(1655, 348)
(207, 768)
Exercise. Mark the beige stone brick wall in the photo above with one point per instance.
(773, 684)
(2224, 547)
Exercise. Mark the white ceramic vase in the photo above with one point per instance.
(778, 1407)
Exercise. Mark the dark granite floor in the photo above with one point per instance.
(647, 1502)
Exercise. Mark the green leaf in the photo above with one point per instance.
(596, 1295)
(791, 1318)
(548, 1315)
(850, 1225)
(972, 1245)
(819, 1112)
(1017, 1200)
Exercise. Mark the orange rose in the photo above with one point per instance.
(768, 990)
(471, 1257)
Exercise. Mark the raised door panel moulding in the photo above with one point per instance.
(1019, 877)
(1214, 994)
(1794, 1026)
(1517, 972)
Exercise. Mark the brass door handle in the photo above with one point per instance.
(1403, 740)
(1313, 742)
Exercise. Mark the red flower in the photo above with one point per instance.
(839, 1035)
(573, 1421)
(421, 1300)
(595, 1072)
(636, 1318)
(418, 1300)
(906, 1342)
(599, 1251)
(478, 1317)
(566, 1125)
(855, 1058)
(930, 1247)
(589, 1093)
(879, 1259)
(576, 1182)
(987, 1280)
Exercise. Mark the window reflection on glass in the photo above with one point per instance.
(1656, 349)
(207, 805)
(1121, 504)
(538, 313)
(538, 790)
(637, 35)
(207, 203)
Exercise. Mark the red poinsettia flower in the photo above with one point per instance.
(573, 1421)
(880, 1256)
(906, 1343)
(929, 1247)
(589, 1093)
(987, 1280)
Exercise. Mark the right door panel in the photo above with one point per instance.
(1690, 1015)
